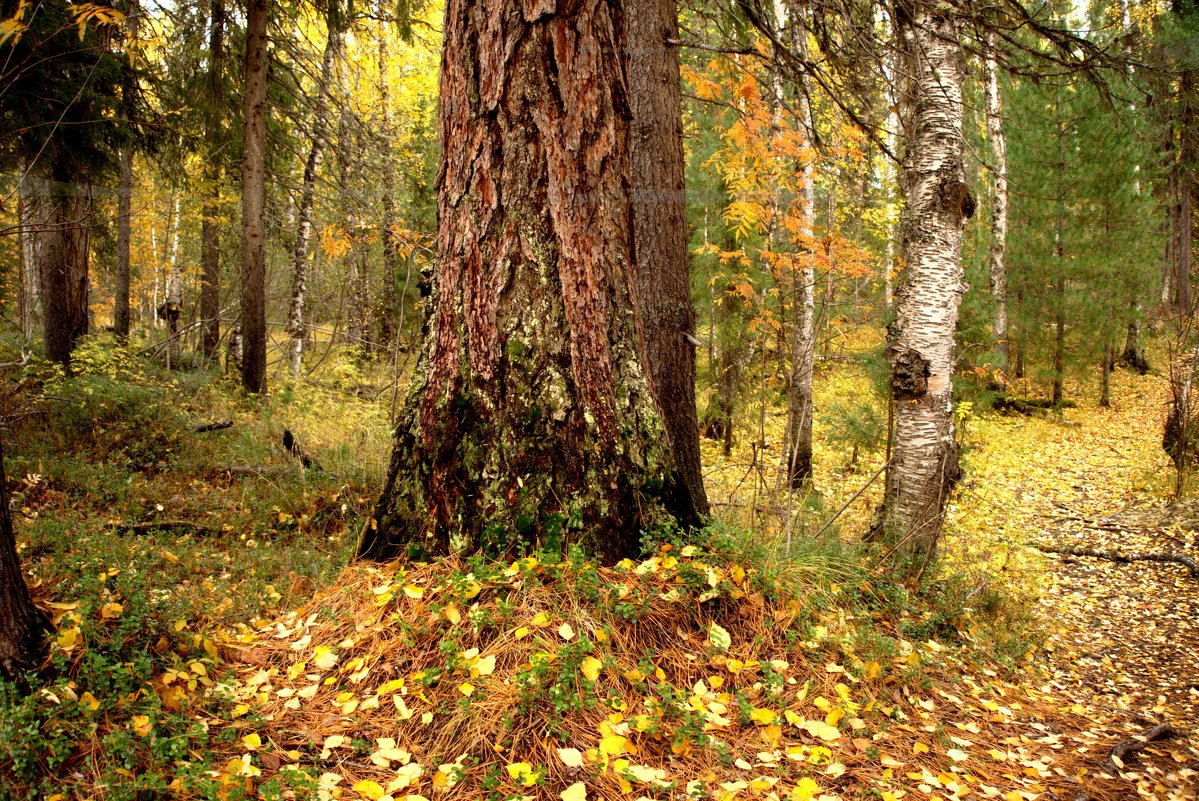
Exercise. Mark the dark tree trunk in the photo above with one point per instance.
(660, 243)
(210, 228)
(253, 256)
(120, 312)
(529, 422)
(389, 298)
(1059, 339)
(1105, 389)
(63, 235)
(22, 626)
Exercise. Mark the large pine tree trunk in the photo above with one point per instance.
(316, 150)
(998, 271)
(210, 227)
(529, 422)
(924, 456)
(63, 245)
(253, 204)
(660, 242)
(22, 626)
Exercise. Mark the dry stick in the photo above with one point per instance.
(1122, 749)
(201, 429)
(1124, 558)
(855, 496)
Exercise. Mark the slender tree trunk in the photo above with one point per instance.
(660, 243)
(1187, 183)
(1105, 390)
(63, 235)
(530, 421)
(390, 300)
(128, 111)
(803, 336)
(22, 626)
(299, 259)
(253, 205)
(924, 459)
(173, 296)
(1059, 255)
(29, 268)
(120, 316)
(1059, 335)
(999, 215)
(210, 226)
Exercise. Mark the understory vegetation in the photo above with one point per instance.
(214, 640)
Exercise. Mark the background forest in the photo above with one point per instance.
(936, 427)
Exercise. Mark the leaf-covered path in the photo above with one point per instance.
(1126, 638)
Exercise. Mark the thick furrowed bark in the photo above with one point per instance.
(253, 259)
(63, 235)
(924, 457)
(530, 423)
(22, 626)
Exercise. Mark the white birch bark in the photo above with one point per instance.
(998, 265)
(924, 456)
(803, 339)
(299, 260)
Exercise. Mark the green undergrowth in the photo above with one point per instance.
(153, 557)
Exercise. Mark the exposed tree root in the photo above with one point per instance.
(1123, 748)
(1117, 556)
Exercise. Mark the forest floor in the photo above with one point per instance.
(212, 642)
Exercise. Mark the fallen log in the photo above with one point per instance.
(218, 426)
(1028, 406)
(1188, 562)
(1123, 748)
(176, 526)
(251, 470)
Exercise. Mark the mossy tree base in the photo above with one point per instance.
(530, 423)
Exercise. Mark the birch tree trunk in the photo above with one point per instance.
(210, 227)
(660, 242)
(529, 423)
(803, 335)
(27, 236)
(998, 265)
(316, 150)
(924, 456)
(253, 203)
